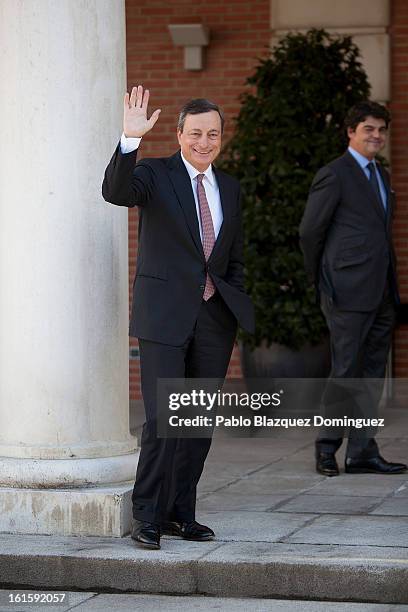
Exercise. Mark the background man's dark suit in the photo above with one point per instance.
(179, 334)
(346, 236)
(347, 243)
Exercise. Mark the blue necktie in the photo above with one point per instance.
(374, 183)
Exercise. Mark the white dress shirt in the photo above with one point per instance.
(127, 145)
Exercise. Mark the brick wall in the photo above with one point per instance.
(399, 162)
(239, 34)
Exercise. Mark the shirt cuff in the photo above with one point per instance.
(127, 145)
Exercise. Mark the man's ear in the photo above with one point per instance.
(350, 132)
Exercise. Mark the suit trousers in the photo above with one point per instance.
(360, 343)
(169, 468)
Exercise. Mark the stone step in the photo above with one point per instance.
(376, 574)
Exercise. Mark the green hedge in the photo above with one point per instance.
(289, 125)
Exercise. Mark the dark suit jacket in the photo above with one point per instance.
(171, 267)
(346, 236)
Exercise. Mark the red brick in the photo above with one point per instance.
(238, 37)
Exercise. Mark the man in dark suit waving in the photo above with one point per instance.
(188, 294)
(346, 237)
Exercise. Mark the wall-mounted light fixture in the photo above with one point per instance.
(193, 37)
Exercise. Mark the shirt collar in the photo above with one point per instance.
(193, 172)
(360, 159)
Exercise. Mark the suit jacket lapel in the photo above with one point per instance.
(226, 206)
(361, 178)
(182, 186)
(390, 201)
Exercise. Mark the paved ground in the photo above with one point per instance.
(283, 531)
(94, 602)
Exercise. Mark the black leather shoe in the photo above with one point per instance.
(373, 465)
(326, 464)
(146, 533)
(189, 531)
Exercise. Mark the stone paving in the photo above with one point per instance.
(283, 531)
(96, 602)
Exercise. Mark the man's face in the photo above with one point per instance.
(369, 137)
(200, 140)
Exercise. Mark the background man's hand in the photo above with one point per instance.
(135, 121)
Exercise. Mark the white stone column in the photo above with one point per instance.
(67, 459)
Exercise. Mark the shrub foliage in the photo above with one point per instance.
(289, 125)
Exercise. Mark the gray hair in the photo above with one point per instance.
(196, 107)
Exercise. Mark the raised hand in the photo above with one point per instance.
(135, 121)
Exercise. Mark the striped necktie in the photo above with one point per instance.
(207, 229)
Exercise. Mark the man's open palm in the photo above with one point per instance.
(135, 121)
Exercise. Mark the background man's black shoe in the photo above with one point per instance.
(188, 530)
(147, 534)
(373, 465)
(326, 464)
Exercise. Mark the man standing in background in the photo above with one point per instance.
(346, 238)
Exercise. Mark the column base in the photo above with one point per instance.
(67, 473)
(92, 511)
